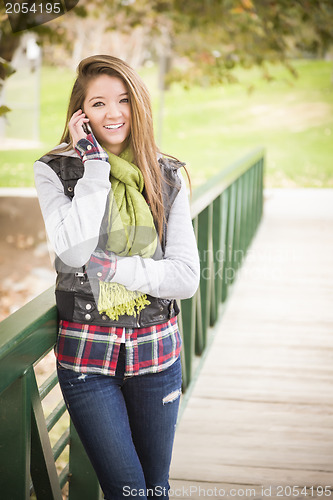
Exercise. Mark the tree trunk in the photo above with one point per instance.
(8, 45)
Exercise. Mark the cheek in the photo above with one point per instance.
(92, 116)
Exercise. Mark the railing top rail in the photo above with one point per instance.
(25, 336)
(205, 194)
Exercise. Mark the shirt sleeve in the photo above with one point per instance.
(102, 265)
(73, 226)
(90, 149)
(177, 274)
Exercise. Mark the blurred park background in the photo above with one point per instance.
(225, 76)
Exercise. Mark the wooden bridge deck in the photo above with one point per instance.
(261, 412)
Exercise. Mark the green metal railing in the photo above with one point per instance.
(226, 212)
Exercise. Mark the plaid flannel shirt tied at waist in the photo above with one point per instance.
(95, 349)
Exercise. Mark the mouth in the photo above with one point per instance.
(114, 127)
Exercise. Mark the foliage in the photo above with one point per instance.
(4, 110)
(5, 71)
(220, 35)
(213, 37)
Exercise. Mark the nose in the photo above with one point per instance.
(113, 110)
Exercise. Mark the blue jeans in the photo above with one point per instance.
(127, 426)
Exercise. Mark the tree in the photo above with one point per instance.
(212, 36)
(215, 36)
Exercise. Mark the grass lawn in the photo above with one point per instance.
(208, 128)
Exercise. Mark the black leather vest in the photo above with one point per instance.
(74, 295)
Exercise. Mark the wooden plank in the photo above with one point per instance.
(227, 411)
(282, 442)
(251, 390)
(251, 475)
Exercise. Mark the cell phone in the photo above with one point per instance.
(86, 128)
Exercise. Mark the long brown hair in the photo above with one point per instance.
(141, 137)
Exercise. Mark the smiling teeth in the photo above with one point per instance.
(113, 126)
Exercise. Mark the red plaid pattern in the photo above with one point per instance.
(95, 349)
(89, 149)
(102, 265)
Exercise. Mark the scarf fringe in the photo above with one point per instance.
(116, 300)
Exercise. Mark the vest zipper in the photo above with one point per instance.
(138, 320)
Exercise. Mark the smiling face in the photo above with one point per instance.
(109, 111)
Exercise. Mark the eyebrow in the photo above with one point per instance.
(102, 97)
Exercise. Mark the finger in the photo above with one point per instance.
(80, 122)
(75, 119)
(77, 127)
(76, 116)
(78, 112)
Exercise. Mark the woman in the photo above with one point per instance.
(117, 215)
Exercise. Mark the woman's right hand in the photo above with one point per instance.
(75, 126)
(84, 142)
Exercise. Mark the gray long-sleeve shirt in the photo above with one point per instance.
(73, 229)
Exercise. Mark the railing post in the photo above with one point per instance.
(43, 470)
(235, 230)
(204, 246)
(217, 263)
(15, 414)
(261, 165)
(228, 267)
(238, 252)
(188, 317)
(261, 187)
(252, 206)
(242, 241)
(256, 195)
(220, 213)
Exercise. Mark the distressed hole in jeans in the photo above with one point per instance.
(170, 398)
(82, 376)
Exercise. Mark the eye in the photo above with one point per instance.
(97, 104)
(125, 100)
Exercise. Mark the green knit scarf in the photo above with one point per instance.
(131, 231)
